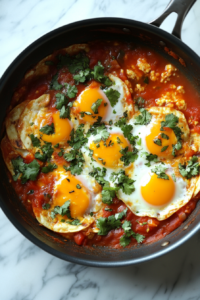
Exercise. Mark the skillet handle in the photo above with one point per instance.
(181, 7)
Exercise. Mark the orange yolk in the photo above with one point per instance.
(62, 130)
(107, 153)
(87, 98)
(79, 198)
(158, 191)
(156, 133)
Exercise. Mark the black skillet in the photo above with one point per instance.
(82, 32)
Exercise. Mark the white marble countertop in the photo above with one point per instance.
(27, 272)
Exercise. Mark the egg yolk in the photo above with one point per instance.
(87, 98)
(167, 143)
(79, 197)
(158, 191)
(62, 130)
(107, 153)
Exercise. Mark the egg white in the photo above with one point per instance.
(95, 205)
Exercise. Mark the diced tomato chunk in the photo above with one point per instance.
(79, 238)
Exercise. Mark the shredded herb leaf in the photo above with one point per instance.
(35, 141)
(46, 206)
(160, 171)
(150, 158)
(123, 182)
(54, 85)
(113, 96)
(96, 105)
(144, 118)
(63, 210)
(49, 168)
(112, 222)
(191, 169)
(157, 142)
(48, 129)
(71, 90)
(27, 171)
(128, 156)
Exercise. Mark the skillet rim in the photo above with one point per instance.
(16, 63)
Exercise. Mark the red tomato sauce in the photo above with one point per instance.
(115, 57)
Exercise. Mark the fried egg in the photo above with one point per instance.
(105, 154)
(9, 153)
(35, 116)
(149, 133)
(157, 197)
(12, 121)
(82, 107)
(84, 195)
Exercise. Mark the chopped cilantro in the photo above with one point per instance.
(114, 111)
(107, 209)
(150, 158)
(144, 118)
(120, 215)
(54, 85)
(74, 63)
(41, 157)
(75, 222)
(99, 175)
(157, 142)
(126, 128)
(123, 182)
(139, 102)
(64, 112)
(99, 75)
(164, 136)
(160, 171)
(128, 156)
(63, 210)
(71, 90)
(164, 148)
(83, 113)
(35, 141)
(61, 152)
(191, 169)
(61, 100)
(108, 193)
(102, 133)
(31, 123)
(171, 121)
(28, 171)
(49, 168)
(78, 186)
(96, 105)
(76, 159)
(46, 206)
(107, 224)
(139, 142)
(56, 146)
(174, 177)
(47, 149)
(48, 129)
(82, 76)
(128, 233)
(113, 96)
(146, 80)
(77, 138)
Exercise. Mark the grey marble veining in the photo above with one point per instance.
(29, 273)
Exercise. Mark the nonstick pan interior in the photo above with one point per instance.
(83, 32)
